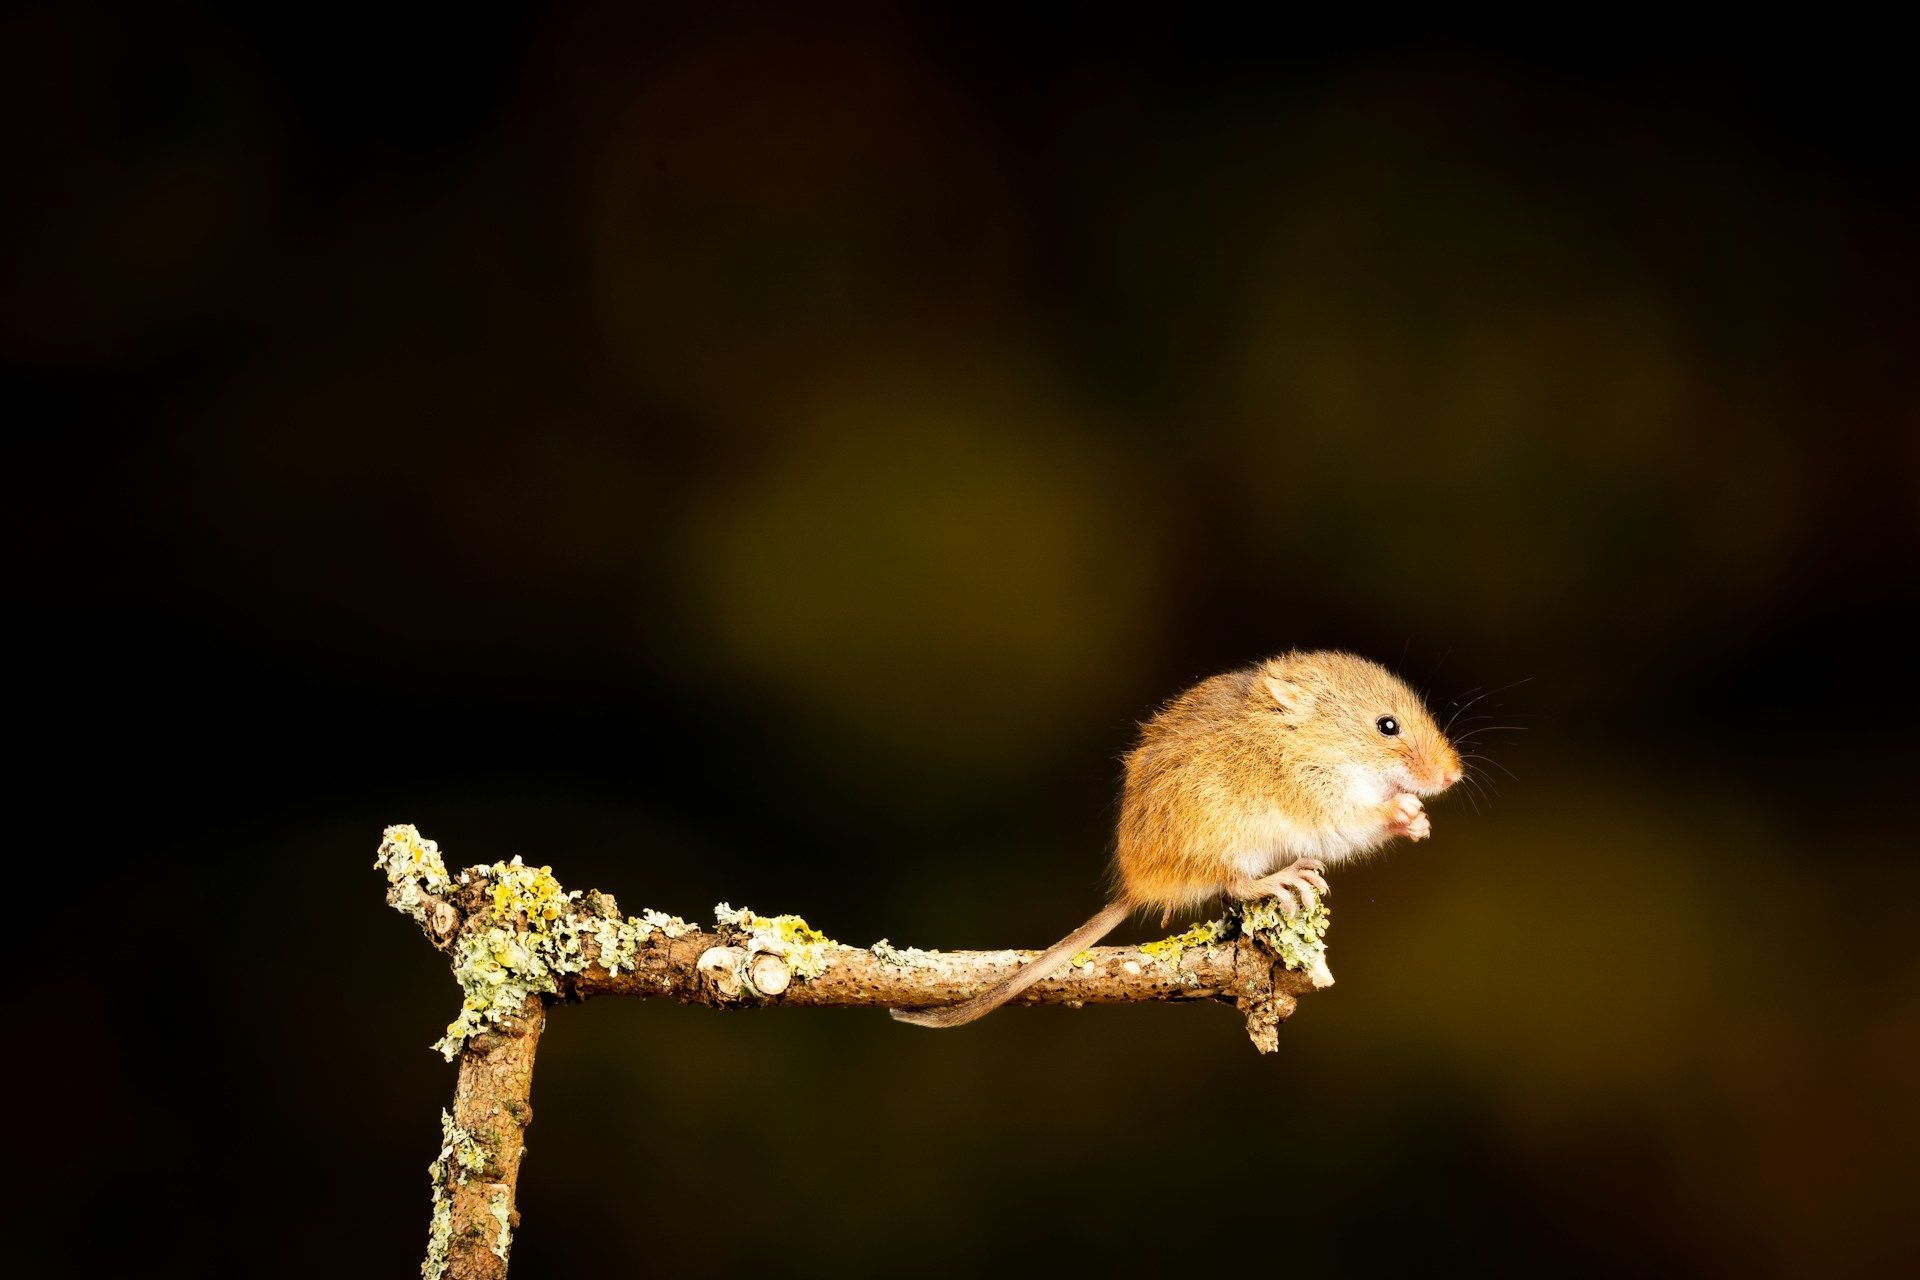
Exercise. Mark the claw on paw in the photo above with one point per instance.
(1309, 869)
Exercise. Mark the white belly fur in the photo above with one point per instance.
(1272, 840)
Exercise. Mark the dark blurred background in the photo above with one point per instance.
(728, 453)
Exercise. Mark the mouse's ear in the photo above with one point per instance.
(1293, 700)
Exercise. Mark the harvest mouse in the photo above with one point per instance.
(1247, 785)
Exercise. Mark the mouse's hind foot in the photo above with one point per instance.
(1295, 885)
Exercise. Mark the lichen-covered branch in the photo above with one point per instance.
(477, 1172)
(518, 941)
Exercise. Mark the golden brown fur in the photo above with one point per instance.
(1248, 784)
(1249, 770)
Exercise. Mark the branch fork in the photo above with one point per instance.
(519, 943)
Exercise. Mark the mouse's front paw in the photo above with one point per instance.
(1406, 816)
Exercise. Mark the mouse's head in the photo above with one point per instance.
(1347, 709)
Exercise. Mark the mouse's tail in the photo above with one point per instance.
(1042, 966)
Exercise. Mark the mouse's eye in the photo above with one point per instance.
(1387, 725)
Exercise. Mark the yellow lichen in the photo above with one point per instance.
(514, 950)
(1168, 950)
(531, 891)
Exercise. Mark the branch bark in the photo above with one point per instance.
(1238, 971)
(476, 1178)
(519, 942)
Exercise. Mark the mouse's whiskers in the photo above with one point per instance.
(1462, 708)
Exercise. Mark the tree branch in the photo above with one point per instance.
(518, 941)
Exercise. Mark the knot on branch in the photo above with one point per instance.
(763, 955)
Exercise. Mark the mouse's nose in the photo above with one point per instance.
(1450, 777)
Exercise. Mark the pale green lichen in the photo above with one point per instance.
(414, 869)
(672, 926)
(1299, 940)
(464, 1154)
(500, 1205)
(619, 943)
(439, 1230)
(460, 1158)
(807, 951)
(904, 957)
